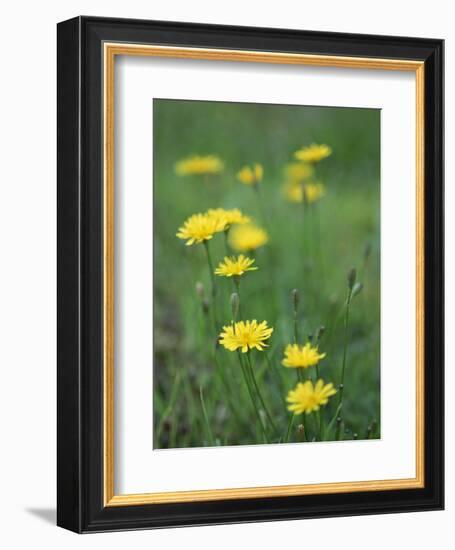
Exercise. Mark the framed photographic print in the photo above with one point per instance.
(250, 274)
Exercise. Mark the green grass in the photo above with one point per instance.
(200, 395)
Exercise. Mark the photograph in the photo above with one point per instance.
(266, 277)
(223, 313)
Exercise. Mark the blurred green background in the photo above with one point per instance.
(313, 255)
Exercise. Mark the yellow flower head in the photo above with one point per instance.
(229, 217)
(244, 238)
(197, 165)
(251, 175)
(306, 397)
(235, 266)
(301, 356)
(313, 153)
(313, 192)
(245, 335)
(293, 191)
(200, 227)
(295, 172)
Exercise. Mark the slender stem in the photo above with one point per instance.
(345, 352)
(227, 388)
(237, 289)
(296, 327)
(317, 365)
(315, 426)
(276, 373)
(250, 391)
(169, 409)
(288, 431)
(318, 241)
(258, 391)
(211, 270)
(261, 205)
(213, 283)
(268, 249)
(345, 347)
(296, 337)
(237, 284)
(320, 424)
(206, 419)
(303, 225)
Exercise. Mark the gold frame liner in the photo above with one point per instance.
(111, 50)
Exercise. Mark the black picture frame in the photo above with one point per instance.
(80, 474)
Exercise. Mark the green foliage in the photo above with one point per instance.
(200, 392)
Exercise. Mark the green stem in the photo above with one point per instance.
(276, 373)
(227, 389)
(213, 283)
(260, 205)
(317, 364)
(258, 391)
(303, 228)
(318, 242)
(250, 391)
(315, 426)
(206, 419)
(345, 352)
(169, 409)
(237, 289)
(320, 424)
(288, 431)
(296, 327)
(268, 249)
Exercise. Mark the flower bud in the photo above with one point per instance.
(320, 332)
(235, 304)
(351, 277)
(356, 289)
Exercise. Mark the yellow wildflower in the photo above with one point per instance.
(313, 153)
(243, 238)
(301, 356)
(235, 266)
(251, 175)
(245, 335)
(306, 397)
(199, 165)
(293, 191)
(200, 227)
(313, 191)
(229, 217)
(295, 172)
